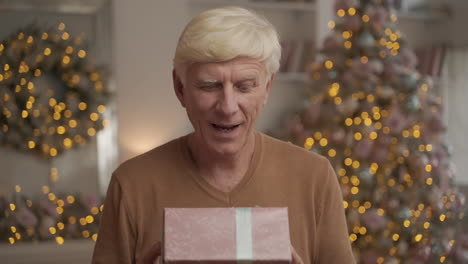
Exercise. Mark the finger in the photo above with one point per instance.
(158, 260)
(152, 254)
(296, 259)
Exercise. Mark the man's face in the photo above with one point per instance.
(223, 101)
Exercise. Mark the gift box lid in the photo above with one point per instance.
(226, 235)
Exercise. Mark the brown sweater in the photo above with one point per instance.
(280, 175)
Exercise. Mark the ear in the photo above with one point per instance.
(268, 88)
(178, 87)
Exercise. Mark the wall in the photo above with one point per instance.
(27, 170)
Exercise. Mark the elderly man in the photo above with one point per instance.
(224, 67)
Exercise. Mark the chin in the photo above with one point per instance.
(225, 149)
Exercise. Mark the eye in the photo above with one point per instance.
(209, 86)
(246, 87)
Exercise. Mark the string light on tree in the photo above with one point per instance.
(385, 138)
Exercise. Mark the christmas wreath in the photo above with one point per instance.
(51, 98)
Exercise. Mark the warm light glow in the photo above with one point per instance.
(341, 13)
(101, 109)
(428, 168)
(328, 64)
(346, 34)
(66, 60)
(357, 136)
(442, 217)
(418, 237)
(65, 36)
(352, 11)
(72, 123)
(81, 53)
(365, 18)
(406, 223)
(82, 106)
(89, 219)
(94, 116)
(70, 199)
(364, 59)
(323, 142)
(94, 210)
(331, 24)
(348, 44)
(59, 240)
(53, 152)
(91, 131)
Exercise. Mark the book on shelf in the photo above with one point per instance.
(283, 1)
(430, 60)
(296, 55)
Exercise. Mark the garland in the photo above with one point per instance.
(51, 99)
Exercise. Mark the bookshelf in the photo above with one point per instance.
(296, 6)
(296, 25)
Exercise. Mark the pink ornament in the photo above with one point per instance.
(348, 77)
(312, 113)
(373, 221)
(391, 70)
(89, 201)
(353, 23)
(393, 204)
(363, 148)
(46, 223)
(348, 106)
(25, 218)
(369, 257)
(332, 43)
(338, 136)
(402, 248)
(395, 120)
(377, 66)
(49, 208)
(420, 253)
(380, 154)
(409, 59)
(380, 16)
(362, 70)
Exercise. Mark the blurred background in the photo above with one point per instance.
(92, 88)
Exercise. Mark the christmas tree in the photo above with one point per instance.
(377, 120)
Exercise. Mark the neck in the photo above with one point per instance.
(212, 164)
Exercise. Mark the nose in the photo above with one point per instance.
(228, 103)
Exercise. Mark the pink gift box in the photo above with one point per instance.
(226, 235)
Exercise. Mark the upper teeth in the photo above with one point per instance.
(224, 127)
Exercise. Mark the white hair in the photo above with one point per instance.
(226, 33)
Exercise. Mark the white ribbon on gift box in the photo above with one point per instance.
(244, 235)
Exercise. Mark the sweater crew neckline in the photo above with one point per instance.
(225, 197)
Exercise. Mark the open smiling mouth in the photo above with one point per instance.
(225, 128)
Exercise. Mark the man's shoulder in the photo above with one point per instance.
(157, 158)
(287, 151)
